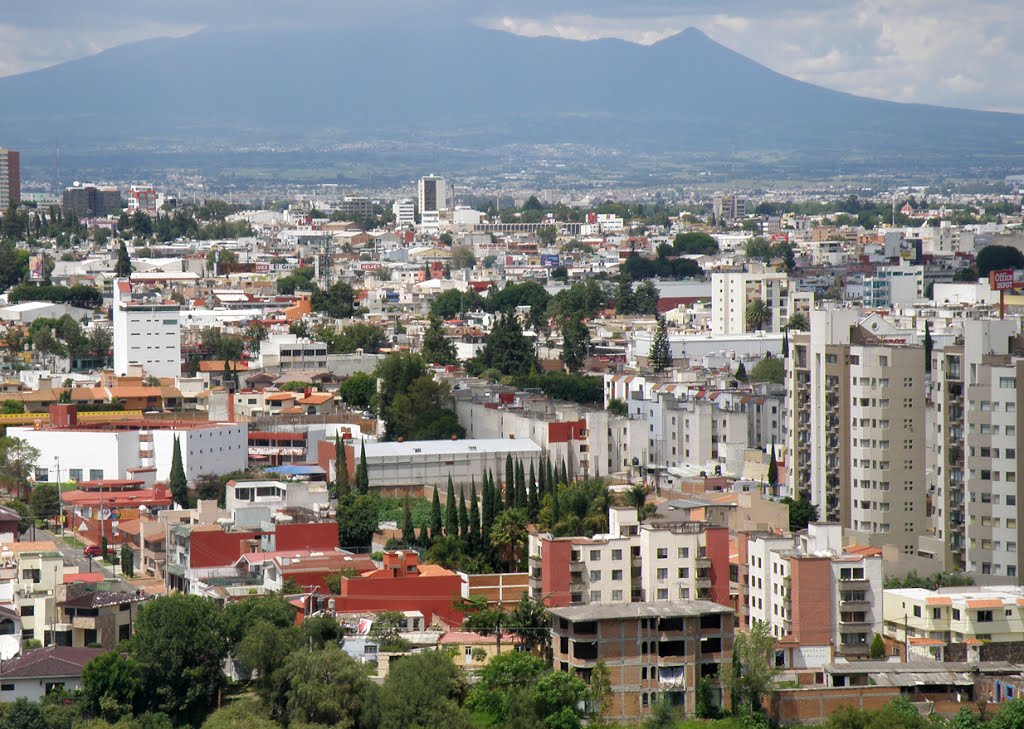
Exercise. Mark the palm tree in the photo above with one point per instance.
(758, 314)
(509, 535)
(798, 322)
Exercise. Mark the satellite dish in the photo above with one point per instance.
(9, 647)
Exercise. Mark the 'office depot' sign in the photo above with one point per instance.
(1001, 280)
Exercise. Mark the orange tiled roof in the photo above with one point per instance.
(939, 601)
(984, 604)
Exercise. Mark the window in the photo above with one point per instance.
(616, 575)
(663, 593)
(662, 553)
(595, 596)
(683, 552)
(595, 555)
(684, 573)
(984, 616)
(917, 611)
(956, 614)
(95, 474)
(662, 573)
(75, 474)
(616, 595)
(595, 575)
(616, 555)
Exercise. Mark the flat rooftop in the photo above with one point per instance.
(684, 608)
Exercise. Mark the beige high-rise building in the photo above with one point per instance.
(856, 417)
(979, 412)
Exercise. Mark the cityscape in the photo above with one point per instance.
(490, 414)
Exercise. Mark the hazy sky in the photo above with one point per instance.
(937, 51)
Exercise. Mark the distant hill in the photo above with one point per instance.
(472, 88)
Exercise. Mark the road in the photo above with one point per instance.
(74, 556)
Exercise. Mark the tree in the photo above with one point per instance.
(359, 390)
(395, 374)
(694, 243)
(45, 501)
(362, 473)
(176, 481)
(123, 266)
(22, 714)
(451, 521)
(509, 534)
(994, 258)
(127, 560)
(435, 516)
(557, 698)
(801, 513)
(242, 713)
(754, 670)
(408, 531)
(437, 348)
(504, 682)
(773, 467)
(462, 257)
(616, 407)
(877, 648)
(660, 354)
(424, 691)
(17, 463)
(798, 322)
(529, 622)
(741, 373)
(599, 695)
(262, 653)
(179, 647)
(575, 343)
(463, 515)
(358, 518)
(706, 708)
(337, 302)
(757, 314)
(386, 631)
(341, 482)
(507, 349)
(769, 369)
(326, 687)
(112, 686)
(367, 337)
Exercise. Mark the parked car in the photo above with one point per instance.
(93, 550)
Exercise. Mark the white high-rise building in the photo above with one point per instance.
(433, 200)
(146, 334)
(731, 293)
(405, 213)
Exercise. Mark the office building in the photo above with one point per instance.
(10, 178)
(147, 333)
(405, 213)
(856, 429)
(728, 208)
(87, 200)
(433, 200)
(144, 198)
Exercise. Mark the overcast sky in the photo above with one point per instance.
(947, 52)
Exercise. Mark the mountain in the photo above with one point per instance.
(467, 88)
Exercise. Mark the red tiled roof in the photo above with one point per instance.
(50, 662)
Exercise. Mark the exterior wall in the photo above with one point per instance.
(646, 660)
(221, 448)
(499, 590)
(148, 335)
(430, 595)
(815, 705)
(96, 454)
(433, 469)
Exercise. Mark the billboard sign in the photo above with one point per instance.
(35, 268)
(1001, 280)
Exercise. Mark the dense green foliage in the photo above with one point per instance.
(84, 297)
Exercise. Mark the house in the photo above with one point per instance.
(9, 520)
(87, 617)
(38, 672)
(472, 651)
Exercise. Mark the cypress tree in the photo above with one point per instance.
(497, 505)
(487, 518)
(556, 509)
(565, 473)
(773, 467)
(542, 485)
(552, 484)
(510, 482)
(435, 516)
(534, 501)
(408, 532)
(123, 267)
(341, 483)
(177, 481)
(463, 515)
(451, 515)
(362, 474)
(520, 485)
(474, 517)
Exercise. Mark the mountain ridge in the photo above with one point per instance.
(468, 86)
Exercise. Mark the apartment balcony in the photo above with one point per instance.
(82, 623)
(854, 650)
(854, 584)
(855, 604)
(703, 562)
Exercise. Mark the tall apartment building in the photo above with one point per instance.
(653, 652)
(856, 429)
(732, 292)
(146, 333)
(891, 285)
(10, 178)
(727, 207)
(817, 599)
(975, 505)
(433, 199)
(90, 201)
(656, 562)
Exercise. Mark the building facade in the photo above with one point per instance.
(10, 178)
(731, 293)
(147, 334)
